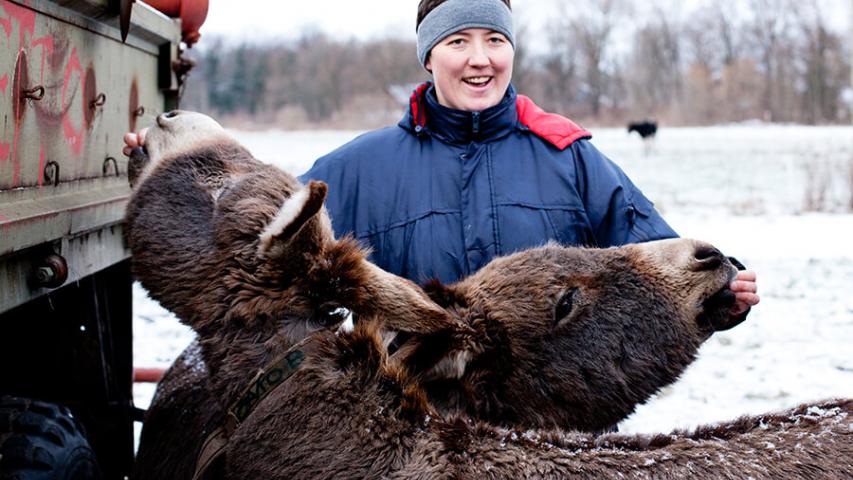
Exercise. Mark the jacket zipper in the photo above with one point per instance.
(475, 128)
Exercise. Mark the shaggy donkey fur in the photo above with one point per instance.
(245, 255)
(562, 337)
(552, 338)
(352, 413)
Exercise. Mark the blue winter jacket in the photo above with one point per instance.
(444, 191)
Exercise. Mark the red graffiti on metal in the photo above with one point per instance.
(6, 23)
(19, 82)
(25, 17)
(57, 56)
(4, 147)
(46, 43)
(73, 136)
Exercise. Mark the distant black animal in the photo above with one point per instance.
(646, 129)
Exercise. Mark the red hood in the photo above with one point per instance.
(556, 129)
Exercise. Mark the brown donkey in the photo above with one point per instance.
(245, 255)
(534, 344)
(561, 337)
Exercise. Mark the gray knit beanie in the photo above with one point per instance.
(455, 15)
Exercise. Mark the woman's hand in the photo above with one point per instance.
(745, 289)
(133, 140)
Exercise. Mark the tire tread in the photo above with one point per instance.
(37, 437)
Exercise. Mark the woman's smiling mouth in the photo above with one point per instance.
(478, 82)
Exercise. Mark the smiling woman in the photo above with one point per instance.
(471, 69)
(471, 62)
(474, 171)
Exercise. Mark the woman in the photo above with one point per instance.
(474, 171)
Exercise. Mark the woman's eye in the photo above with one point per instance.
(496, 39)
(455, 42)
(564, 305)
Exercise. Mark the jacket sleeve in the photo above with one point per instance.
(617, 210)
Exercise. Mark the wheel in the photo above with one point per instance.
(41, 441)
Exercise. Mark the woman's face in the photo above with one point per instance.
(471, 69)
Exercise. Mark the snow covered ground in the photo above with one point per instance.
(739, 187)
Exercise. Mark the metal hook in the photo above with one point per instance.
(106, 166)
(139, 111)
(35, 93)
(99, 101)
(51, 172)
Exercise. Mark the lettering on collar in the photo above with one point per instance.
(265, 382)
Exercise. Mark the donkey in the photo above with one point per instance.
(245, 255)
(551, 339)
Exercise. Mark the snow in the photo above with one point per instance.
(741, 188)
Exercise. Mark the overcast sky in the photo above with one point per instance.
(265, 19)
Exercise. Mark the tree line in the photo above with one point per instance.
(723, 61)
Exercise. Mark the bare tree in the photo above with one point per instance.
(768, 32)
(824, 65)
(561, 76)
(704, 56)
(723, 61)
(656, 73)
(590, 30)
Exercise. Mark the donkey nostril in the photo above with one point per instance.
(163, 118)
(708, 257)
(707, 253)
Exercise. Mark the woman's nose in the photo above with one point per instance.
(478, 57)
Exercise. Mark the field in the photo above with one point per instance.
(749, 189)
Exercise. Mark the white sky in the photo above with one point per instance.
(265, 19)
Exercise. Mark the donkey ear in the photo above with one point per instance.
(431, 340)
(293, 215)
(401, 304)
(437, 355)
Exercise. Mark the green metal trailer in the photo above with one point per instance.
(69, 90)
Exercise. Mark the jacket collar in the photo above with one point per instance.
(427, 116)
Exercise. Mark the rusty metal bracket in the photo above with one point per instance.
(36, 93)
(106, 167)
(51, 272)
(51, 172)
(99, 101)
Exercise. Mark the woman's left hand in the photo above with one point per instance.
(745, 289)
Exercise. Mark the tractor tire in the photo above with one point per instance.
(41, 441)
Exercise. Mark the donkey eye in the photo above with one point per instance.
(564, 305)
